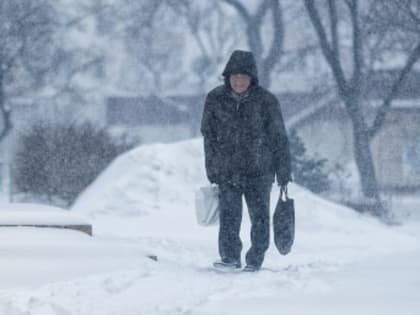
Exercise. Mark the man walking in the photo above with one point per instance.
(246, 147)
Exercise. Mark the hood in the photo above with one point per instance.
(241, 62)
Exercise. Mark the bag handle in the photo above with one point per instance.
(283, 190)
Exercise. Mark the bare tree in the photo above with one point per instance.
(157, 46)
(399, 20)
(349, 76)
(73, 59)
(25, 30)
(215, 32)
(152, 40)
(266, 58)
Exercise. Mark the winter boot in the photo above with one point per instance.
(227, 265)
(251, 268)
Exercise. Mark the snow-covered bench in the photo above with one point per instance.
(36, 215)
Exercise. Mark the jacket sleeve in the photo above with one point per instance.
(279, 142)
(208, 130)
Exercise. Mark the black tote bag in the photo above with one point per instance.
(284, 222)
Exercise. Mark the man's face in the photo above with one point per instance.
(239, 82)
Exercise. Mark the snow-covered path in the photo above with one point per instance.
(342, 262)
(182, 283)
(386, 285)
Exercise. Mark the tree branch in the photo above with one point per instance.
(90, 12)
(332, 8)
(331, 57)
(357, 45)
(240, 8)
(277, 43)
(254, 23)
(254, 38)
(262, 10)
(382, 111)
(413, 14)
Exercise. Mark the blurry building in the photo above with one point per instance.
(153, 118)
(327, 131)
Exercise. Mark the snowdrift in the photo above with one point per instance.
(143, 203)
(149, 192)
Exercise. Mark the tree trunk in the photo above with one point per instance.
(364, 162)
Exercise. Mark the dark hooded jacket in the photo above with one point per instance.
(244, 137)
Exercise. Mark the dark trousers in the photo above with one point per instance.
(257, 197)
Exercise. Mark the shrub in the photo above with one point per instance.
(308, 172)
(60, 161)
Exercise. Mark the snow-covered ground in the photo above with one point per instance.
(35, 214)
(143, 204)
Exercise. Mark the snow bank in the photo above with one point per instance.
(342, 262)
(146, 180)
(36, 214)
(31, 257)
(149, 192)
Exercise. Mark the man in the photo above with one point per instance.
(246, 146)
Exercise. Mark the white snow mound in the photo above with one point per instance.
(149, 192)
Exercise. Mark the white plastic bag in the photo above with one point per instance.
(207, 205)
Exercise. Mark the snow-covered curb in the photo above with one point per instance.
(36, 215)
